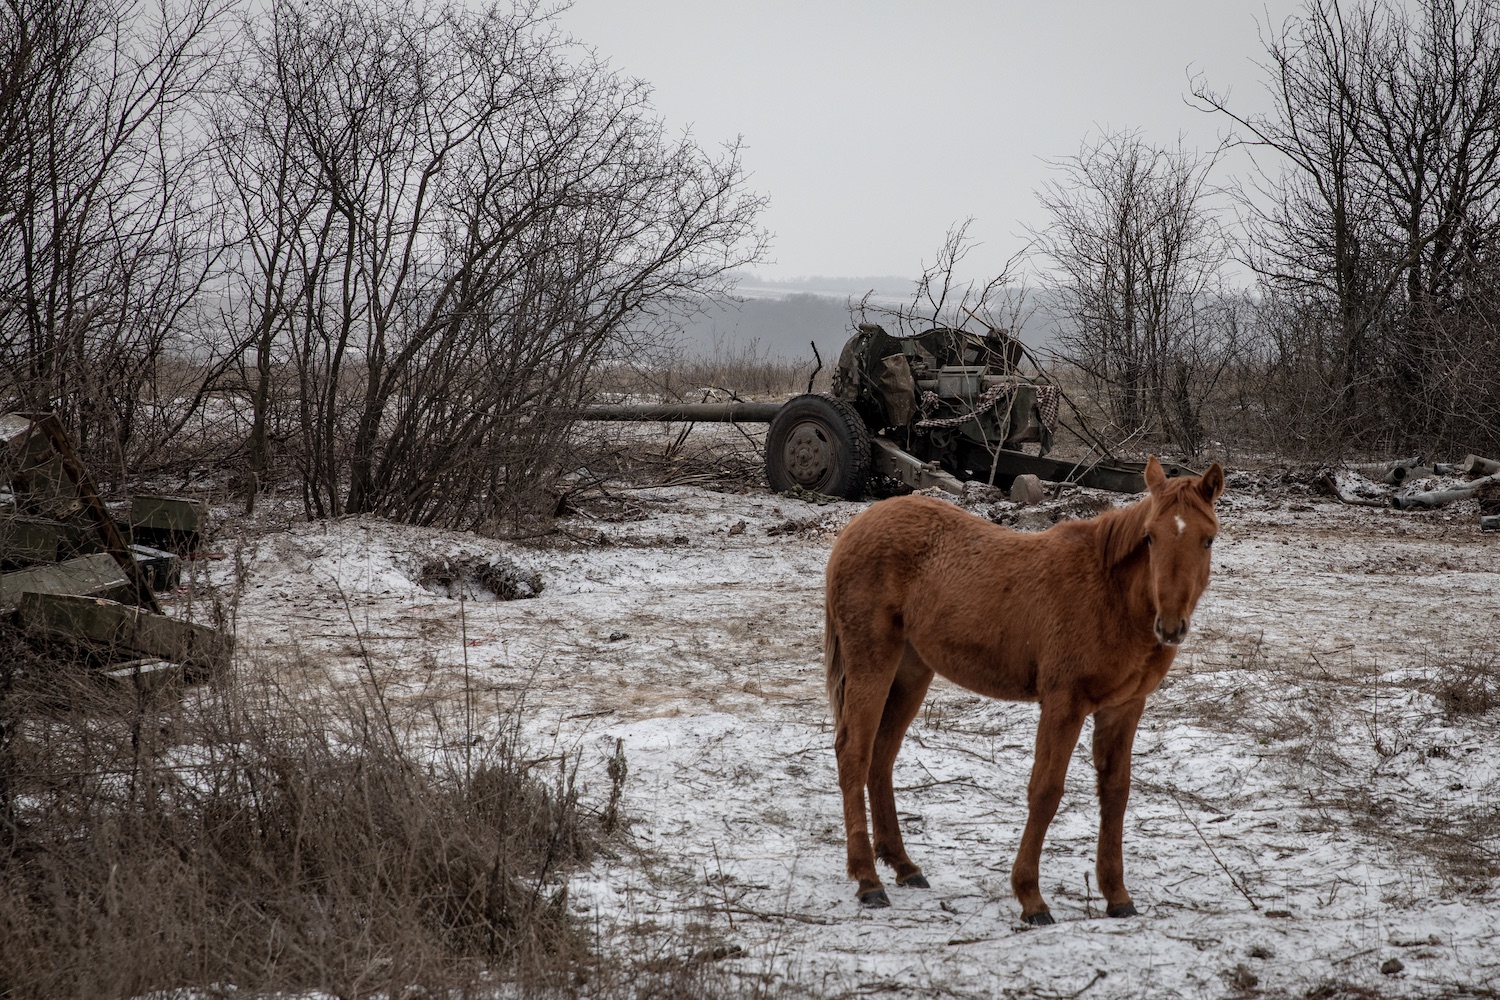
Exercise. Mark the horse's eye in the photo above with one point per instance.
(1208, 542)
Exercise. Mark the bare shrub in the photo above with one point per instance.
(1147, 317)
(467, 214)
(999, 306)
(1376, 213)
(109, 238)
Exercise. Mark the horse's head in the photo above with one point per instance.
(1179, 534)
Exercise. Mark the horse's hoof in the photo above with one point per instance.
(874, 899)
(1042, 919)
(914, 881)
(1123, 910)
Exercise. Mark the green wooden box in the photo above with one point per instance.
(98, 575)
(168, 522)
(127, 631)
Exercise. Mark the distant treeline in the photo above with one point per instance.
(785, 325)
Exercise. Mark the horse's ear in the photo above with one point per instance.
(1212, 483)
(1155, 477)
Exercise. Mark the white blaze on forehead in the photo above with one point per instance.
(1181, 524)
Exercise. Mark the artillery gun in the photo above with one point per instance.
(941, 408)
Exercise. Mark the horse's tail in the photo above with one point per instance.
(833, 665)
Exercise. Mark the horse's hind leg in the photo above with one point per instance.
(901, 706)
(869, 664)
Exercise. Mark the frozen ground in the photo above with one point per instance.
(1317, 786)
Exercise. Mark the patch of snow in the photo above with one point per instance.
(1298, 779)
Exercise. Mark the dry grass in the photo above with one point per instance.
(246, 835)
(727, 371)
(253, 837)
(727, 458)
(1468, 686)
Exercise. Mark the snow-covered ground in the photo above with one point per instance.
(1316, 790)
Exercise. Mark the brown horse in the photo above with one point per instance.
(1083, 618)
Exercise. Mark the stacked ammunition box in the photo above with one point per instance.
(71, 574)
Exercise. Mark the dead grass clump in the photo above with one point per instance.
(1460, 841)
(478, 578)
(253, 837)
(1468, 687)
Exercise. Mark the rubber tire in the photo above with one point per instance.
(821, 444)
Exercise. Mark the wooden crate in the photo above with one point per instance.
(168, 522)
(126, 631)
(98, 575)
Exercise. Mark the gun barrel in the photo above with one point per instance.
(739, 413)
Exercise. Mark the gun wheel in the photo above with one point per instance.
(819, 443)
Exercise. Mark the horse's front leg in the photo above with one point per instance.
(1056, 735)
(1114, 735)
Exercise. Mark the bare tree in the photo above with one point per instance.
(105, 228)
(1139, 260)
(273, 196)
(1382, 200)
(466, 212)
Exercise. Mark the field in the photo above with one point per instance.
(1316, 807)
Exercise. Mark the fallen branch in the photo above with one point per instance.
(1333, 488)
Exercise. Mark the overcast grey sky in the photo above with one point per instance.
(874, 126)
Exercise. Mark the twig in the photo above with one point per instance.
(814, 345)
(761, 914)
(723, 888)
(965, 780)
(1098, 975)
(1213, 854)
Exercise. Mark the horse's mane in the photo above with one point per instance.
(1121, 532)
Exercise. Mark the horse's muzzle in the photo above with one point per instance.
(1171, 635)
